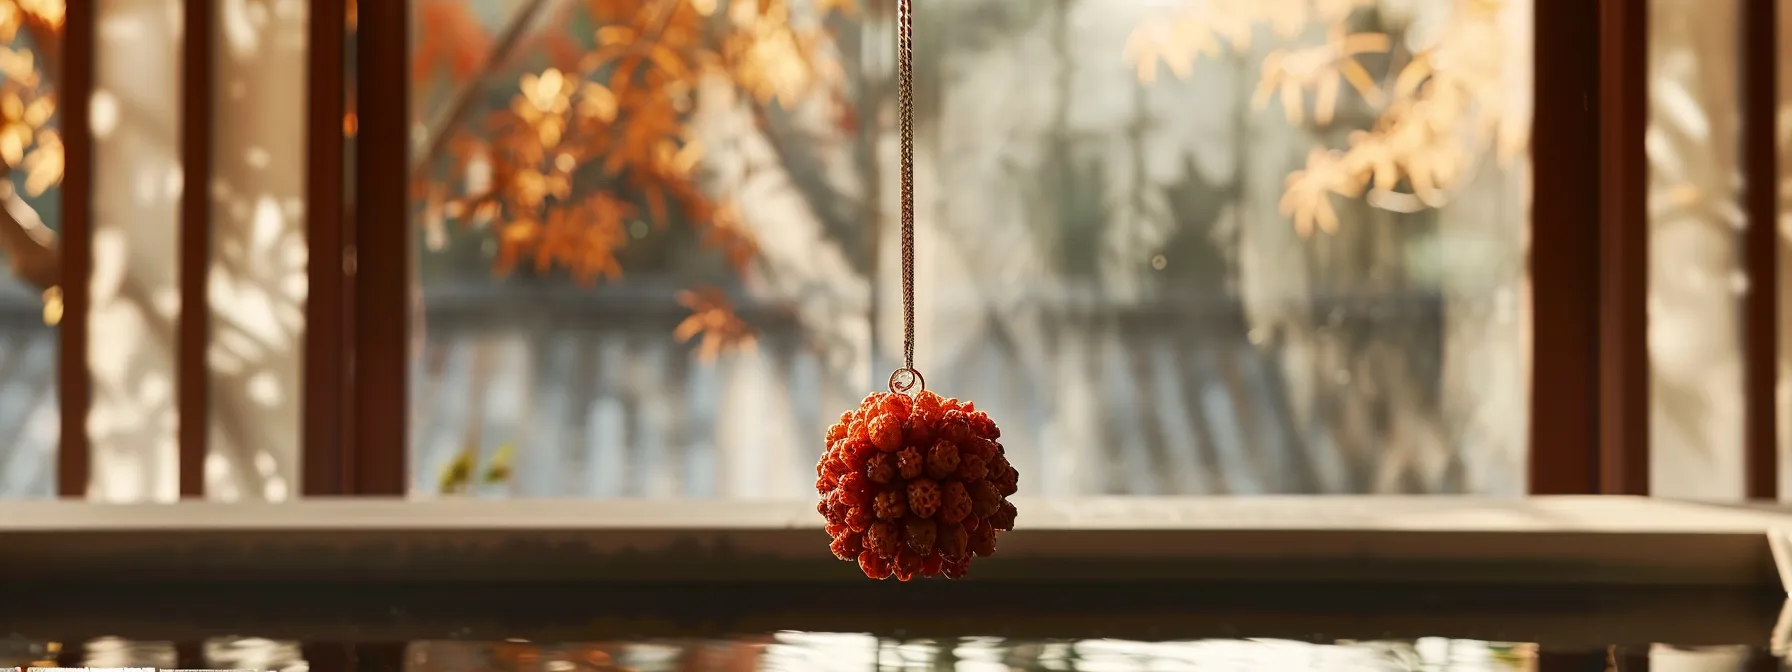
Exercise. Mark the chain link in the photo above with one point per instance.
(905, 109)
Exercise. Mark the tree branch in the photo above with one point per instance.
(462, 102)
(838, 213)
(30, 247)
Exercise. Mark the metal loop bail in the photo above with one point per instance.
(907, 380)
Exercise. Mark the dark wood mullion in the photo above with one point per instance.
(192, 376)
(1612, 658)
(1624, 247)
(323, 436)
(190, 655)
(1564, 250)
(382, 255)
(1589, 245)
(74, 93)
(354, 657)
(1759, 59)
(1763, 661)
(71, 653)
(1629, 659)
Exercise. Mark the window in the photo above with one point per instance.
(1107, 260)
(1174, 248)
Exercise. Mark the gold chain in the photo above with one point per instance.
(905, 110)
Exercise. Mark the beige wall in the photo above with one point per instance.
(137, 186)
(258, 262)
(1694, 272)
(257, 283)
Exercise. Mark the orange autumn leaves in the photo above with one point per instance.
(26, 140)
(584, 238)
(713, 317)
(1445, 106)
(597, 150)
(449, 36)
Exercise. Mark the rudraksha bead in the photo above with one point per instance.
(915, 486)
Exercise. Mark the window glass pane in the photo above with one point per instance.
(1695, 271)
(29, 308)
(638, 280)
(639, 277)
(1137, 254)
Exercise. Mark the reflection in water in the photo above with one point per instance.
(805, 651)
(20, 652)
(841, 651)
(235, 653)
(114, 652)
(253, 653)
(828, 651)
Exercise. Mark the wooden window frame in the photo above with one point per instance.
(356, 352)
(1589, 250)
(74, 384)
(1759, 60)
(1589, 389)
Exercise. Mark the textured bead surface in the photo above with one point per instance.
(915, 486)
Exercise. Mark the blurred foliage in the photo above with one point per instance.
(1447, 103)
(29, 28)
(588, 147)
(462, 474)
(601, 138)
(31, 155)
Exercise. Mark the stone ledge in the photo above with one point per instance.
(1547, 540)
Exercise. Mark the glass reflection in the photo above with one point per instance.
(1165, 285)
(859, 652)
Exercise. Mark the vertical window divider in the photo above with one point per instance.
(1563, 255)
(1624, 247)
(1589, 411)
(192, 377)
(1759, 60)
(74, 90)
(382, 285)
(323, 440)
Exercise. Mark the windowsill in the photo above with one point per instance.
(1587, 541)
(1559, 571)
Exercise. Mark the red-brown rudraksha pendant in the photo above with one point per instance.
(915, 485)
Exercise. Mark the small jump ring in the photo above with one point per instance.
(914, 385)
